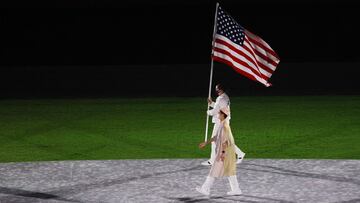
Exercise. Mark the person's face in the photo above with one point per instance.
(217, 90)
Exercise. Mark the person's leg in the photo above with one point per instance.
(213, 146)
(235, 190)
(240, 154)
(205, 188)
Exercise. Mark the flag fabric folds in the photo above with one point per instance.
(244, 51)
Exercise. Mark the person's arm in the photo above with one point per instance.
(210, 112)
(210, 102)
(203, 144)
(215, 110)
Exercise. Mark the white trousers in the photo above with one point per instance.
(234, 185)
(213, 145)
(208, 183)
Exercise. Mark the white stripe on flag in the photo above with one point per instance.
(242, 58)
(241, 67)
(261, 50)
(257, 60)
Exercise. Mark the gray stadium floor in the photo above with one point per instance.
(261, 180)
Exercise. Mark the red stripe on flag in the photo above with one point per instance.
(266, 49)
(221, 60)
(256, 72)
(259, 63)
(238, 51)
(265, 58)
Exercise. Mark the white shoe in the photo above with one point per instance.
(206, 163)
(236, 192)
(202, 191)
(240, 159)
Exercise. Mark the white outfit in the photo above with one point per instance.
(221, 168)
(222, 101)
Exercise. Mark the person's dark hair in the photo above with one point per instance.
(224, 114)
(221, 87)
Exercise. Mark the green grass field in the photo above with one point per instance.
(321, 127)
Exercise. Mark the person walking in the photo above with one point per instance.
(222, 101)
(225, 159)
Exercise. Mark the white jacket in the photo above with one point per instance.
(221, 101)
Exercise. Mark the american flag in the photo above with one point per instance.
(245, 52)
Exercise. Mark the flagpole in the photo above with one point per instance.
(211, 73)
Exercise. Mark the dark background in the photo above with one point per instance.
(162, 48)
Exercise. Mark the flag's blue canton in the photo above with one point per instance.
(228, 27)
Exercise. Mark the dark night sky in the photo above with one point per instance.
(171, 32)
(162, 47)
